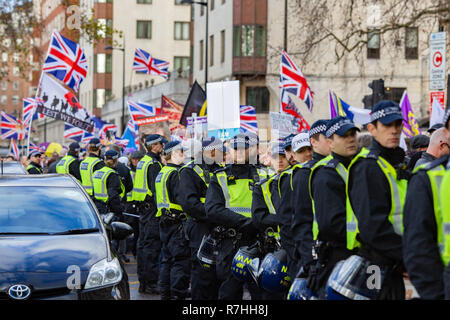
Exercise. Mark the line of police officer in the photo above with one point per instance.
(323, 225)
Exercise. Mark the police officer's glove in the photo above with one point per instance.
(312, 281)
(248, 228)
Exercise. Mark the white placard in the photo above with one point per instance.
(223, 108)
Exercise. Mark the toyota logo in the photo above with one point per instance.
(19, 292)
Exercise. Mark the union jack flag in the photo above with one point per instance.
(14, 150)
(144, 62)
(74, 133)
(29, 111)
(288, 106)
(101, 127)
(248, 119)
(87, 136)
(34, 147)
(140, 110)
(292, 80)
(66, 61)
(12, 128)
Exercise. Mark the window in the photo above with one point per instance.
(373, 45)
(411, 43)
(16, 71)
(102, 63)
(101, 96)
(178, 1)
(211, 50)
(144, 1)
(15, 99)
(201, 55)
(181, 63)
(222, 46)
(144, 29)
(16, 85)
(4, 98)
(181, 31)
(16, 57)
(4, 57)
(104, 24)
(4, 85)
(258, 97)
(249, 40)
(202, 10)
(211, 4)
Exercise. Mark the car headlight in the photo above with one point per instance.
(104, 273)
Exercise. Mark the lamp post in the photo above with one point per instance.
(205, 3)
(123, 83)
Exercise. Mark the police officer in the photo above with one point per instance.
(70, 163)
(195, 178)
(149, 243)
(288, 147)
(376, 189)
(301, 147)
(107, 186)
(91, 164)
(423, 221)
(175, 263)
(300, 200)
(265, 215)
(134, 158)
(327, 189)
(34, 167)
(228, 204)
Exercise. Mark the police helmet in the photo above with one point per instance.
(299, 291)
(330, 292)
(242, 259)
(207, 252)
(274, 277)
(351, 279)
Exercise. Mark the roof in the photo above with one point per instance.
(38, 180)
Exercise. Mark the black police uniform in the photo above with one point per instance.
(328, 192)
(420, 251)
(204, 283)
(175, 254)
(370, 196)
(230, 287)
(98, 165)
(149, 242)
(303, 217)
(114, 203)
(74, 167)
(35, 168)
(263, 219)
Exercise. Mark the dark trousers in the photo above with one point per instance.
(175, 261)
(204, 283)
(148, 251)
(230, 287)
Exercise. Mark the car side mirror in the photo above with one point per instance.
(121, 231)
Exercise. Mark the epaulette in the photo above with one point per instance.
(227, 167)
(333, 163)
(445, 161)
(373, 154)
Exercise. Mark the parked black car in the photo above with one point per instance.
(54, 244)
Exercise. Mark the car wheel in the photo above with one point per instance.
(121, 291)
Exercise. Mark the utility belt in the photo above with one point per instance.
(168, 217)
(142, 206)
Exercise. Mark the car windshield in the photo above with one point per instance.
(13, 168)
(40, 210)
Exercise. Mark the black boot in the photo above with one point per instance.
(142, 287)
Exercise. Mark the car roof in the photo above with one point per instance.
(38, 180)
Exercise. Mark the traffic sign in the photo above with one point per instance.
(437, 60)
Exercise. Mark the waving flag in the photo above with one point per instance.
(144, 62)
(437, 113)
(30, 111)
(173, 109)
(410, 125)
(333, 113)
(248, 119)
(87, 136)
(101, 127)
(292, 80)
(66, 61)
(357, 115)
(73, 133)
(14, 150)
(288, 106)
(12, 128)
(140, 110)
(34, 147)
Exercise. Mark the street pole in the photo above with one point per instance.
(123, 88)
(285, 24)
(206, 44)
